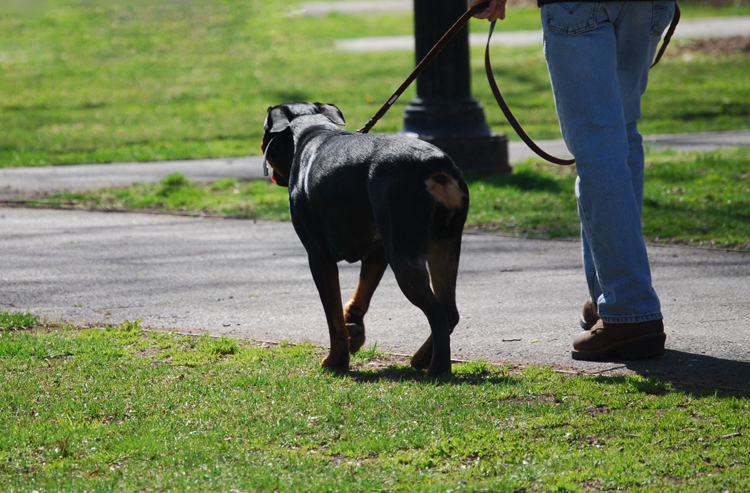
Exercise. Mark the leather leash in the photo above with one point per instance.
(509, 114)
(668, 36)
(457, 26)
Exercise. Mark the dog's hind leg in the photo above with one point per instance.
(325, 273)
(442, 261)
(370, 273)
(414, 281)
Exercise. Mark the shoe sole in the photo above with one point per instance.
(650, 346)
(586, 325)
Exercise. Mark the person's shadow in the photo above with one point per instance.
(696, 373)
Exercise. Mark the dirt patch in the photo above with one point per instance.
(714, 3)
(722, 3)
(714, 46)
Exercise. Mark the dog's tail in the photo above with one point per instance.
(445, 189)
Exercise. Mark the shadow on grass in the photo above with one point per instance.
(402, 373)
(521, 179)
(695, 374)
(651, 385)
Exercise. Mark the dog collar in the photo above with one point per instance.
(265, 154)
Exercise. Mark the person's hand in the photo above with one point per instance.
(494, 11)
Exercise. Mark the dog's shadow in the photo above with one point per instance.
(410, 375)
(400, 373)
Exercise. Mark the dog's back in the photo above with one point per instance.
(360, 188)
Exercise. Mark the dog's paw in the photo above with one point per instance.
(356, 336)
(437, 370)
(420, 363)
(337, 362)
(423, 357)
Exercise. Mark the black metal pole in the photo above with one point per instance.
(444, 112)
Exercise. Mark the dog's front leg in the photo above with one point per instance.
(325, 273)
(423, 357)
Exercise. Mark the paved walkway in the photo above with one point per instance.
(687, 29)
(316, 9)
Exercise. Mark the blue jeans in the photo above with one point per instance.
(598, 55)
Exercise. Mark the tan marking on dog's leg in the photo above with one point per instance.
(326, 276)
(445, 188)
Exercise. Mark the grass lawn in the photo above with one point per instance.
(94, 82)
(122, 409)
(118, 408)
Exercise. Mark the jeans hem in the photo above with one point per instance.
(632, 319)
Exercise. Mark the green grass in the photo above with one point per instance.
(117, 408)
(177, 195)
(690, 198)
(104, 83)
(17, 320)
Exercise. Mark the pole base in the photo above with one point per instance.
(478, 154)
(458, 127)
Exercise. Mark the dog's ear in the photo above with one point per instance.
(277, 120)
(332, 112)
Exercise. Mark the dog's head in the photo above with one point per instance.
(278, 141)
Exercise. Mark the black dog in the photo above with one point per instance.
(382, 199)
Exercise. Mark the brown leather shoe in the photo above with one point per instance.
(617, 342)
(589, 316)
